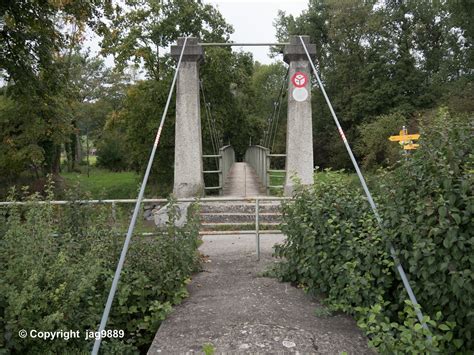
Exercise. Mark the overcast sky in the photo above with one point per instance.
(253, 20)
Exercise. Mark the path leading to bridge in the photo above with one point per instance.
(242, 181)
(237, 310)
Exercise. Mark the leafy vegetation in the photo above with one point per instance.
(383, 58)
(56, 268)
(208, 349)
(335, 247)
(382, 64)
(103, 183)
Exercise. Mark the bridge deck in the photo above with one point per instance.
(242, 181)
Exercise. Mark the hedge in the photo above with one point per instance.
(56, 272)
(335, 248)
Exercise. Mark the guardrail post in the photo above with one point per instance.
(221, 178)
(257, 227)
(263, 166)
(267, 175)
(114, 214)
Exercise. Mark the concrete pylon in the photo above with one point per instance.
(188, 166)
(299, 134)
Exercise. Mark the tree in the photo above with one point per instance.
(379, 58)
(33, 40)
(138, 31)
(373, 144)
(226, 78)
(134, 127)
(269, 83)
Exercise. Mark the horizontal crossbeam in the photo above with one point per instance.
(231, 44)
(146, 200)
(276, 171)
(213, 187)
(211, 156)
(212, 171)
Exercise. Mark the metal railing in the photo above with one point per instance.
(256, 157)
(259, 158)
(226, 159)
(256, 200)
(138, 202)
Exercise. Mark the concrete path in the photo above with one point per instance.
(242, 181)
(237, 310)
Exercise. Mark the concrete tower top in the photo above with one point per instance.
(192, 53)
(295, 50)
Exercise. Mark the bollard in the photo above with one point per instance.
(257, 232)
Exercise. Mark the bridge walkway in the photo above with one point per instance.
(233, 309)
(242, 181)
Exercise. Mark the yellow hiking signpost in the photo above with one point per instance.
(406, 139)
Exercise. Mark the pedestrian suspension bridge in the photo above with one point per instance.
(250, 178)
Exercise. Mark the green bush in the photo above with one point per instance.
(333, 243)
(56, 268)
(428, 209)
(373, 143)
(111, 152)
(334, 247)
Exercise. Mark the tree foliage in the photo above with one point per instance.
(36, 40)
(381, 58)
(138, 31)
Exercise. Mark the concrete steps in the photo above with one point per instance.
(236, 216)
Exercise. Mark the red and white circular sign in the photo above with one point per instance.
(299, 79)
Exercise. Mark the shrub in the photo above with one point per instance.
(429, 208)
(334, 247)
(373, 143)
(111, 152)
(61, 281)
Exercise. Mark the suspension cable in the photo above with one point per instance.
(206, 109)
(276, 110)
(131, 227)
(270, 125)
(213, 129)
(213, 126)
(393, 253)
(279, 107)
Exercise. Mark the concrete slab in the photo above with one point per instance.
(242, 181)
(237, 310)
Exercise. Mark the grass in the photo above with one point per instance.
(103, 183)
(106, 184)
(277, 178)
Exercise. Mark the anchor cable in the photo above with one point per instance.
(131, 227)
(393, 253)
